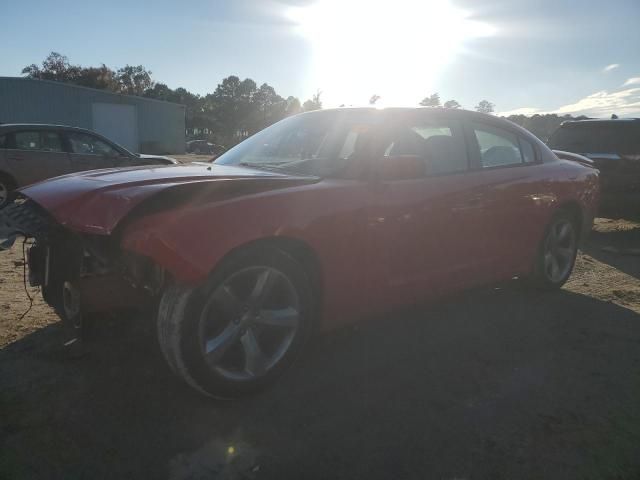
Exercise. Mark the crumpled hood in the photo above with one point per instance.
(95, 201)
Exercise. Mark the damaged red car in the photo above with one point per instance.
(320, 220)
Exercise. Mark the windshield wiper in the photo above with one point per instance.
(262, 164)
(267, 165)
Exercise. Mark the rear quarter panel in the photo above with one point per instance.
(558, 185)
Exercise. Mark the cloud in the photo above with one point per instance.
(521, 111)
(624, 102)
(608, 68)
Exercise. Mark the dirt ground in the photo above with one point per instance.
(497, 383)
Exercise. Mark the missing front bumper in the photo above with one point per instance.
(22, 218)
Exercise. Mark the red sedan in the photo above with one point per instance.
(315, 222)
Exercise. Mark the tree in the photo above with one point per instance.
(485, 106)
(374, 99)
(431, 101)
(452, 104)
(542, 126)
(314, 104)
(229, 108)
(293, 106)
(269, 107)
(102, 78)
(237, 108)
(55, 67)
(133, 80)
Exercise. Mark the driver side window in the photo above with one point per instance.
(437, 146)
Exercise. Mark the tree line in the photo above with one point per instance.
(433, 100)
(237, 108)
(541, 125)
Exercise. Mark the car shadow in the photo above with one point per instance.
(494, 383)
(619, 248)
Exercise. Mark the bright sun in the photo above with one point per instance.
(395, 49)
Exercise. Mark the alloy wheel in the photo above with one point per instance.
(559, 250)
(249, 323)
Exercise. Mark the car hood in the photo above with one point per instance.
(96, 201)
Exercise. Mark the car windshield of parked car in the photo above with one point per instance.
(312, 144)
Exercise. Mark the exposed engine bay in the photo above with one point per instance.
(78, 274)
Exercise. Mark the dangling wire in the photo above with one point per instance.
(24, 279)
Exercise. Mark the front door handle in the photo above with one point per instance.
(475, 202)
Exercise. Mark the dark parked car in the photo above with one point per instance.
(614, 147)
(30, 153)
(313, 223)
(203, 147)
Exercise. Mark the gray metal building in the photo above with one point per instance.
(141, 125)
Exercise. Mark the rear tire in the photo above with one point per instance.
(557, 253)
(239, 331)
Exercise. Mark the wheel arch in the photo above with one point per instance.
(296, 248)
(575, 210)
(11, 178)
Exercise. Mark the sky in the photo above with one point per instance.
(525, 56)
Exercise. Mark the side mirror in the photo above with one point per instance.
(401, 167)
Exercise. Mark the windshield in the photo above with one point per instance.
(321, 144)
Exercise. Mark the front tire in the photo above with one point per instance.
(557, 253)
(239, 331)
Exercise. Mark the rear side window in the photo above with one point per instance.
(43, 141)
(498, 147)
(27, 140)
(439, 143)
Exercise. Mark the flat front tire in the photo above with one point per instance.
(239, 331)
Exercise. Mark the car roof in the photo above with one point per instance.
(13, 127)
(460, 113)
(20, 126)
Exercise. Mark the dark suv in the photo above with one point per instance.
(614, 147)
(30, 153)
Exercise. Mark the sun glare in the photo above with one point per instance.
(395, 49)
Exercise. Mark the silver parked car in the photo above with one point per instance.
(30, 153)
